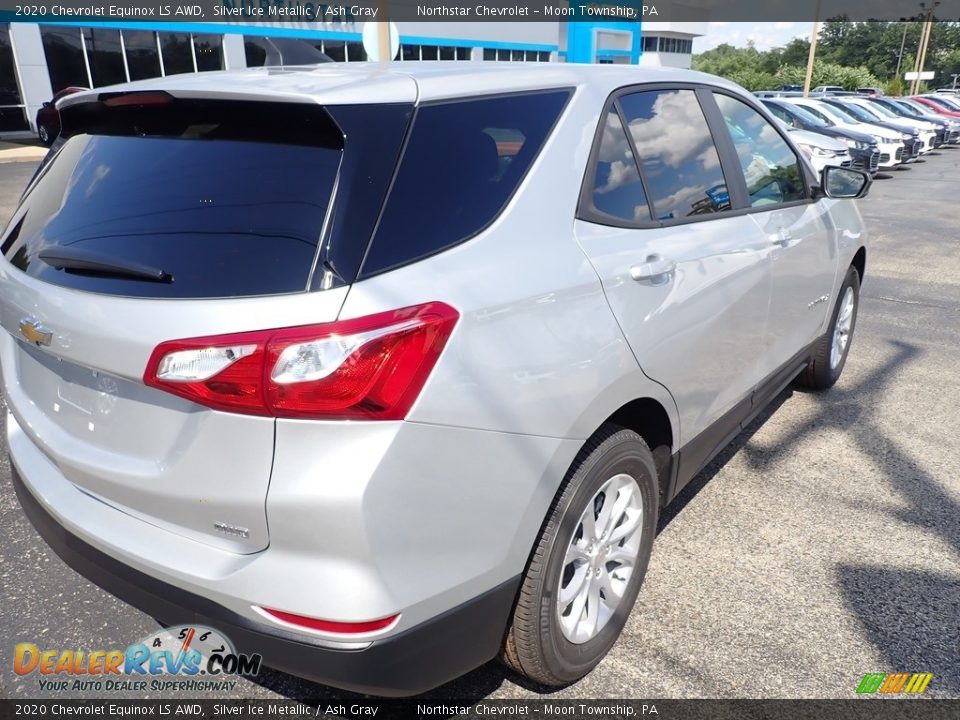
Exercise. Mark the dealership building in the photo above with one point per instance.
(38, 59)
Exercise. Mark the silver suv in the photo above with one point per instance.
(385, 371)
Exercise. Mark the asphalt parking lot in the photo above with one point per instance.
(822, 545)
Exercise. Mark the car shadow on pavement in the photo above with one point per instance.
(470, 688)
(702, 478)
(909, 615)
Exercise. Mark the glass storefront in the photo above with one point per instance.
(63, 47)
(143, 55)
(94, 57)
(105, 56)
(176, 52)
(12, 112)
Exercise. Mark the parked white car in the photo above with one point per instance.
(890, 142)
(819, 149)
(928, 131)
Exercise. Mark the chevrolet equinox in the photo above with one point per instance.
(387, 370)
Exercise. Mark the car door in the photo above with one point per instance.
(803, 259)
(687, 279)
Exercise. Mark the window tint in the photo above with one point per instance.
(770, 167)
(676, 152)
(158, 186)
(143, 58)
(779, 112)
(616, 187)
(815, 112)
(177, 53)
(208, 50)
(11, 117)
(462, 163)
(64, 53)
(808, 117)
(105, 56)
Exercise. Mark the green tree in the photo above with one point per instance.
(795, 52)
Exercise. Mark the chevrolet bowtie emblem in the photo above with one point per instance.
(33, 332)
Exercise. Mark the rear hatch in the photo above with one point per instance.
(160, 218)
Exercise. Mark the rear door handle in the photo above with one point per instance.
(655, 268)
(781, 238)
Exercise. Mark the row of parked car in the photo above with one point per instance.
(866, 132)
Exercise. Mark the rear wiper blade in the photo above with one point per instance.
(84, 261)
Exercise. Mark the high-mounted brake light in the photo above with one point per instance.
(372, 367)
(138, 97)
(332, 626)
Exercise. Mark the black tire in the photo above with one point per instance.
(46, 137)
(535, 645)
(820, 374)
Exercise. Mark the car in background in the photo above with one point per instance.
(863, 148)
(828, 89)
(951, 126)
(791, 88)
(934, 106)
(48, 117)
(913, 143)
(820, 150)
(891, 143)
(942, 127)
(928, 131)
(869, 91)
(948, 91)
(951, 102)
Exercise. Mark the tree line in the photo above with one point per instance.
(849, 54)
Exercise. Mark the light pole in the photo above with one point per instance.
(903, 42)
(924, 43)
(813, 50)
(955, 76)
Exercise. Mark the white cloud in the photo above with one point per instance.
(675, 114)
(763, 35)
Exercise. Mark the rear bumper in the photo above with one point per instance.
(416, 660)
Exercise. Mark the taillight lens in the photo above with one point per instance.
(368, 368)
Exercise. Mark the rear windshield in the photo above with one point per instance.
(180, 199)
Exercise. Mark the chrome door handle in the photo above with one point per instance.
(781, 238)
(656, 268)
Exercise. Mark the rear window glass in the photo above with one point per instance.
(216, 199)
(462, 163)
(617, 191)
(677, 156)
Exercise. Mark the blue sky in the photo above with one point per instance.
(764, 35)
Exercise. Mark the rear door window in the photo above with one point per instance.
(678, 159)
(211, 194)
(463, 161)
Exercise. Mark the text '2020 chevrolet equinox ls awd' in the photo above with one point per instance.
(387, 371)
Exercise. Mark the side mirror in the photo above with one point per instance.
(844, 183)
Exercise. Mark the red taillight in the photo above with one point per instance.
(368, 368)
(331, 625)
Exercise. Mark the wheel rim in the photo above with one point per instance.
(841, 332)
(600, 559)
